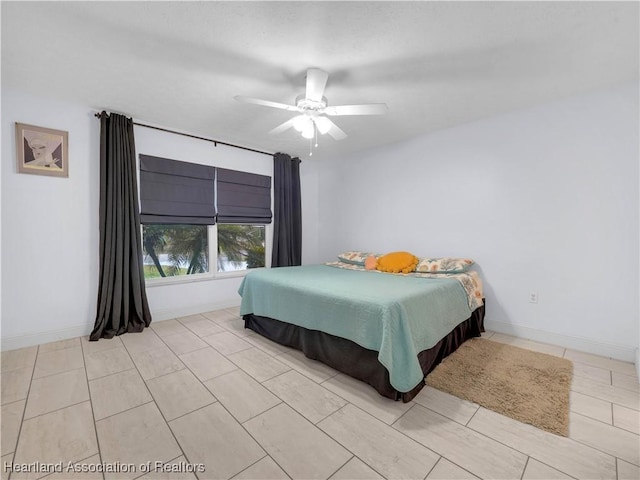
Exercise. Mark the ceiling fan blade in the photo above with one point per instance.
(368, 109)
(266, 103)
(282, 127)
(336, 132)
(316, 81)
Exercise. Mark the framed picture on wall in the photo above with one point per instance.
(42, 151)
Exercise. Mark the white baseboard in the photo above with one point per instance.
(169, 313)
(619, 352)
(21, 341)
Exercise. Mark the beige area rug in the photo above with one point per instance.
(527, 386)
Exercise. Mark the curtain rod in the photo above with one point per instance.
(215, 142)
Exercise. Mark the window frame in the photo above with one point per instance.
(213, 274)
(242, 273)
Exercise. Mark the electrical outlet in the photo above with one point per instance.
(533, 297)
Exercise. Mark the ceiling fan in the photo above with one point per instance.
(313, 108)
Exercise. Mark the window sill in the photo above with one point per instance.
(163, 282)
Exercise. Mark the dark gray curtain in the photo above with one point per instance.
(287, 215)
(122, 300)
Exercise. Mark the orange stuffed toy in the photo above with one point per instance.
(397, 262)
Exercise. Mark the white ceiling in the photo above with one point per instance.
(435, 64)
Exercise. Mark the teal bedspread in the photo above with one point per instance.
(396, 316)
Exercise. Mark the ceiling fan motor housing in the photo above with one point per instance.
(310, 107)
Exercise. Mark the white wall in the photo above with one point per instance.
(309, 175)
(49, 227)
(50, 231)
(544, 200)
(2, 156)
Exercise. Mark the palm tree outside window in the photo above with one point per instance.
(175, 250)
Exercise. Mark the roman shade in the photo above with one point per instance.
(243, 197)
(173, 192)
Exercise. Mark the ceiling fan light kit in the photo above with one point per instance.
(323, 124)
(312, 108)
(308, 131)
(301, 122)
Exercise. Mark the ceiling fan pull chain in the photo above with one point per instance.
(315, 130)
(310, 147)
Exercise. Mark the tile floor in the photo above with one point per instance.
(203, 390)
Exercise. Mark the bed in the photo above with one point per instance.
(385, 329)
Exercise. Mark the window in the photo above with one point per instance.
(173, 250)
(180, 250)
(240, 247)
(196, 215)
(244, 208)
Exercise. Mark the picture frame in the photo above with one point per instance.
(42, 151)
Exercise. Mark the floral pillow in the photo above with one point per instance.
(444, 265)
(354, 257)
